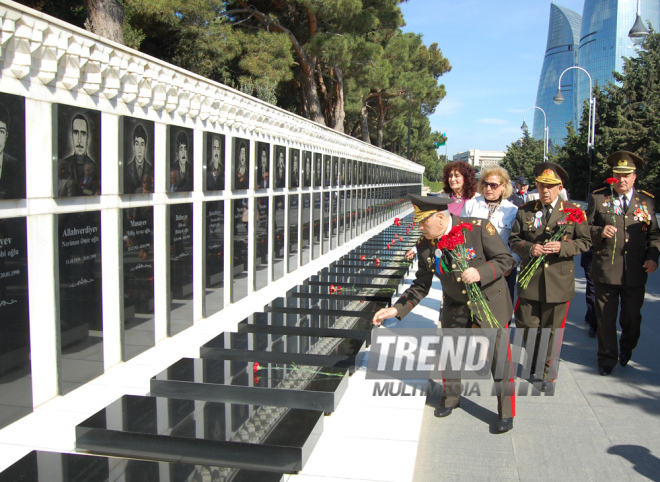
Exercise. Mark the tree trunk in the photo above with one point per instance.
(308, 89)
(106, 19)
(382, 112)
(339, 113)
(364, 122)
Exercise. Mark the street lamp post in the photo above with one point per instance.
(638, 32)
(546, 130)
(591, 134)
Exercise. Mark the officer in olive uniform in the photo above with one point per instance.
(491, 260)
(624, 274)
(544, 303)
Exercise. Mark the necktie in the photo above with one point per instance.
(624, 203)
(548, 211)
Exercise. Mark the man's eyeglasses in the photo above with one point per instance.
(492, 185)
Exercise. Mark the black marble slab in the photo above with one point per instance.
(245, 436)
(323, 351)
(38, 466)
(318, 324)
(281, 384)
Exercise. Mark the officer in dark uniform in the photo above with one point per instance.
(491, 259)
(544, 303)
(621, 263)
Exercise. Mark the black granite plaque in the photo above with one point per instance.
(305, 235)
(138, 269)
(318, 169)
(78, 151)
(215, 258)
(240, 163)
(180, 159)
(316, 225)
(278, 236)
(262, 166)
(327, 170)
(12, 146)
(293, 204)
(15, 369)
(341, 217)
(181, 268)
(349, 172)
(326, 223)
(38, 466)
(261, 437)
(280, 166)
(80, 299)
(334, 176)
(342, 171)
(307, 169)
(286, 383)
(136, 152)
(214, 152)
(240, 265)
(261, 242)
(334, 218)
(294, 165)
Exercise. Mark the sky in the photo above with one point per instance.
(496, 50)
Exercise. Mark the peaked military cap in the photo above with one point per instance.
(550, 173)
(624, 162)
(425, 206)
(522, 180)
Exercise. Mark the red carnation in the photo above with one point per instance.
(467, 226)
(612, 180)
(256, 367)
(397, 222)
(388, 246)
(574, 215)
(377, 262)
(400, 238)
(363, 257)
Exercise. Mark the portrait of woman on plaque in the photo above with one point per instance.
(241, 163)
(78, 162)
(12, 146)
(280, 166)
(180, 150)
(214, 149)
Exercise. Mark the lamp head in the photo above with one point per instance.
(558, 98)
(638, 32)
(523, 127)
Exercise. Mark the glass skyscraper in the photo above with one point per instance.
(597, 42)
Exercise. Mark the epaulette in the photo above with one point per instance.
(599, 189)
(648, 194)
(422, 238)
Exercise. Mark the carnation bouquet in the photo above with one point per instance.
(573, 216)
(454, 243)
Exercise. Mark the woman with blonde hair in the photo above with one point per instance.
(494, 188)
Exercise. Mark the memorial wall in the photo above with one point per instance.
(137, 198)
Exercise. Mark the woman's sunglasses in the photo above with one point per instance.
(492, 185)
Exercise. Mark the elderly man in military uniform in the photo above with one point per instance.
(491, 259)
(544, 302)
(626, 241)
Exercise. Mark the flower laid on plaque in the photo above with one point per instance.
(294, 174)
(318, 169)
(78, 151)
(263, 166)
(307, 169)
(214, 150)
(12, 146)
(241, 161)
(180, 158)
(136, 147)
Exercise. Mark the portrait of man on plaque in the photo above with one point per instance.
(335, 171)
(318, 169)
(214, 148)
(307, 169)
(349, 172)
(180, 150)
(326, 170)
(241, 163)
(294, 175)
(280, 166)
(138, 157)
(263, 165)
(78, 160)
(12, 146)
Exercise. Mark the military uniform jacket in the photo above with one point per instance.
(554, 279)
(637, 237)
(492, 259)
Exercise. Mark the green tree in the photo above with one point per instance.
(522, 156)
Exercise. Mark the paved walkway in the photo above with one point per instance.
(593, 428)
